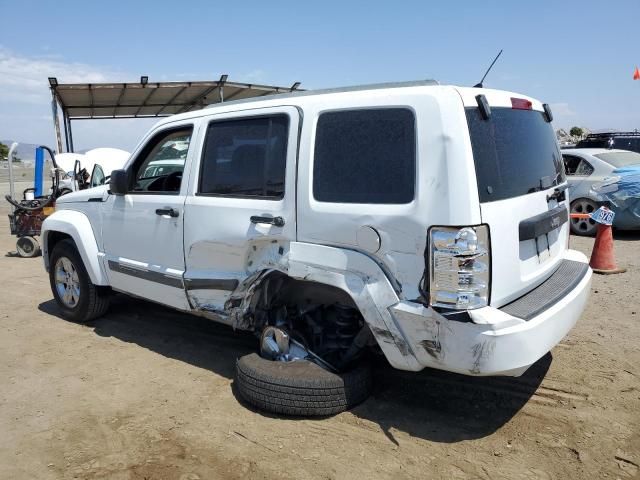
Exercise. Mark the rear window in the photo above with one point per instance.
(620, 159)
(515, 153)
(365, 156)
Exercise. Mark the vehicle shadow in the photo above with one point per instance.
(188, 338)
(433, 405)
(447, 407)
(626, 235)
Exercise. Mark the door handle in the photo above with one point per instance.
(172, 212)
(277, 221)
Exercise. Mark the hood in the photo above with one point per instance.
(90, 194)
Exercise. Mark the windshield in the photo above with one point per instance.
(620, 159)
(515, 153)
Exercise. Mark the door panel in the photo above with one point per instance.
(144, 250)
(143, 230)
(247, 169)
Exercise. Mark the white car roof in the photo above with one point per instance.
(302, 98)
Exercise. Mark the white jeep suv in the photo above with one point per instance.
(423, 221)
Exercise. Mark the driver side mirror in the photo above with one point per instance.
(119, 182)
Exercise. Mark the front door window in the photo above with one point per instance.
(159, 168)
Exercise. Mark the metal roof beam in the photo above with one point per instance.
(115, 108)
(91, 100)
(235, 94)
(172, 99)
(198, 98)
(147, 98)
(127, 100)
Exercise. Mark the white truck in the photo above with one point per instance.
(425, 222)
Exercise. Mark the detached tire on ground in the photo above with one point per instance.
(27, 247)
(300, 387)
(78, 298)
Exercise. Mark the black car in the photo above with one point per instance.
(621, 140)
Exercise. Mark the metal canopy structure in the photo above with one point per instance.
(87, 101)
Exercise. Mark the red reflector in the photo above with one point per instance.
(521, 103)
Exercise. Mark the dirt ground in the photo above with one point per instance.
(147, 393)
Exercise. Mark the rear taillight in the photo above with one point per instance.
(459, 267)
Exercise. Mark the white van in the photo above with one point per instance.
(427, 222)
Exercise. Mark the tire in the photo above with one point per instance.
(585, 227)
(27, 247)
(85, 303)
(300, 387)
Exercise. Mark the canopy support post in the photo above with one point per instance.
(65, 122)
(70, 134)
(56, 120)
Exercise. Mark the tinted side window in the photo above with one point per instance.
(245, 157)
(365, 156)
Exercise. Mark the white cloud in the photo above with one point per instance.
(25, 102)
(24, 79)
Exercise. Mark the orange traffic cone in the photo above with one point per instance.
(602, 258)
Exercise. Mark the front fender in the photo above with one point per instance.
(78, 227)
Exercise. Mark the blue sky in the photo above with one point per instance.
(577, 56)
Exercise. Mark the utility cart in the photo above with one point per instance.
(28, 213)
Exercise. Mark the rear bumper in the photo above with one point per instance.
(495, 342)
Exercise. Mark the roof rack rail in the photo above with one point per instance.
(355, 88)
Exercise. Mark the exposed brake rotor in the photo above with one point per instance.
(276, 344)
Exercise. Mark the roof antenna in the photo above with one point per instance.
(479, 85)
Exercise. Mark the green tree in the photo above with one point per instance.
(576, 132)
(4, 152)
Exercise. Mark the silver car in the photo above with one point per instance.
(589, 167)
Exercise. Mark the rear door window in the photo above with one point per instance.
(515, 153)
(365, 156)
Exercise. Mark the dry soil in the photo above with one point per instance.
(147, 393)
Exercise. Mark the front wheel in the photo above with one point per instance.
(78, 298)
